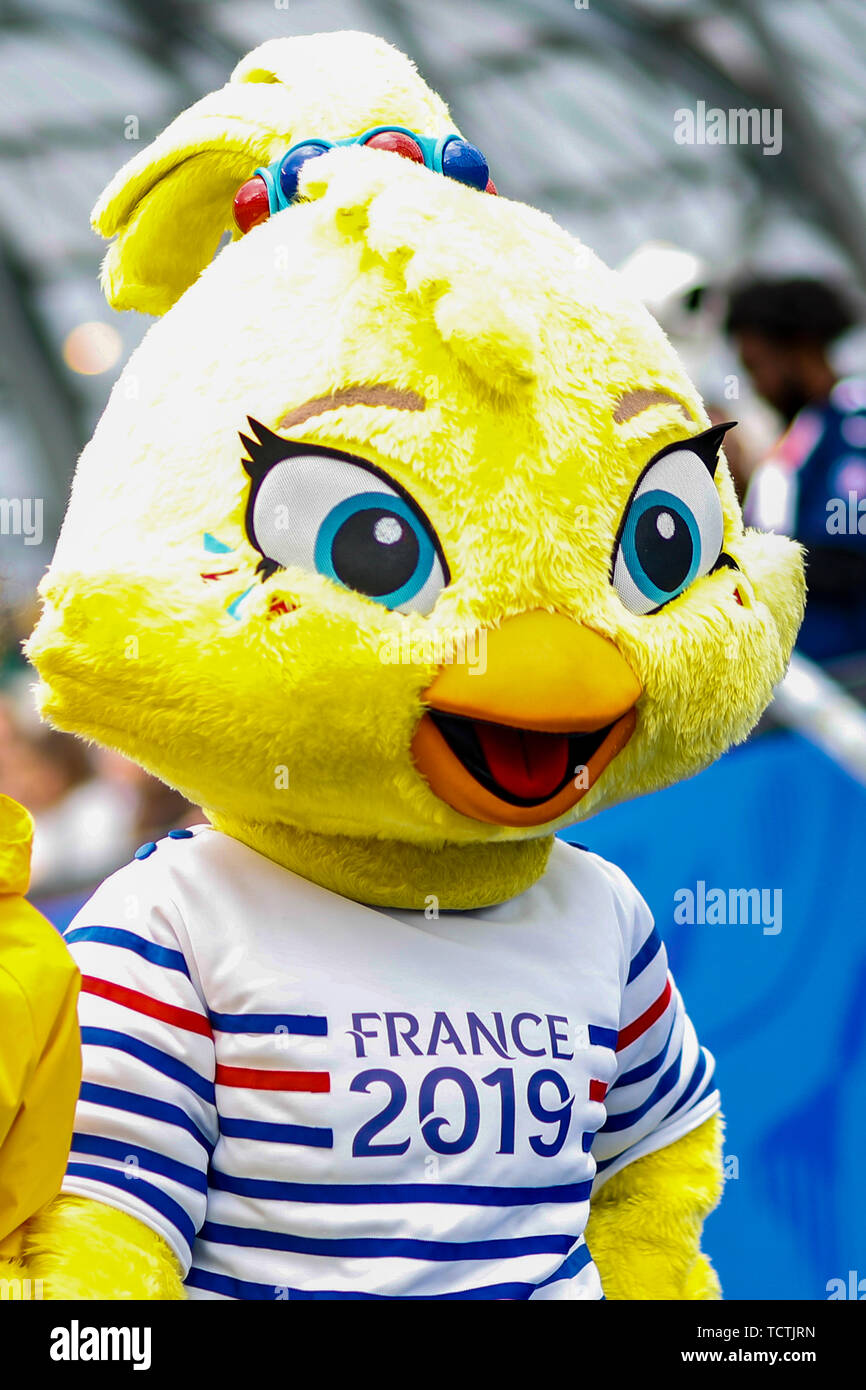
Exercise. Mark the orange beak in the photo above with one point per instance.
(520, 735)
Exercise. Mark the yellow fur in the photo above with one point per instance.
(189, 175)
(13, 1267)
(40, 1049)
(84, 1249)
(644, 1226)
(522, 343)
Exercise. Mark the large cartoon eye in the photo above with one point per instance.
(673, 526)
(342, 517)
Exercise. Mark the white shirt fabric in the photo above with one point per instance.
(313, 1099)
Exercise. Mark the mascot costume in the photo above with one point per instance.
(40, 1050)
(403, 543)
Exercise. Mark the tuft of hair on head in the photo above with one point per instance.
(798, 309)
(169, 207)
(464, 260)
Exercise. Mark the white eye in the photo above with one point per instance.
(673, 526)
(339, 516)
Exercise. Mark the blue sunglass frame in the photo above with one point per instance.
(432, 148)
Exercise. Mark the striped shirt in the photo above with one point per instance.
(313, 1099)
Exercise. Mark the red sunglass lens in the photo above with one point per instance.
(251, 204)
(398, 143)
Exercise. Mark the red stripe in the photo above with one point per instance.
(143, 1004)
(273, 1080)
(646, 1019)
(597, 1090)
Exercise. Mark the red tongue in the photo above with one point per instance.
(523, 762)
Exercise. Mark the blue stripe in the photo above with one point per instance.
(706, 1087)
(115, 936)
(144, 1105)
(688, 1093)
(270, 1293)
(350, 1194)
(313, 1137)
(648, 951)
(627, 1118)
(603, 1037)
(696, 1078)
(363, 1247)
(310, 1025)
(100, 1147)
(145, 1192)
(152, 1057)
(646, 1069)
(577, 1260)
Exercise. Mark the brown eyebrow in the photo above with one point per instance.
(354, 395)
(631, 403)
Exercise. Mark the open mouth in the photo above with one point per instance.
(521, 739)
(509, 775)
(523, 767)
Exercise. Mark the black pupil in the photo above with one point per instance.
(663, 544)
(375, 552)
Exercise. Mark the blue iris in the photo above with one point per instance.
(661, 545)
(374, 543)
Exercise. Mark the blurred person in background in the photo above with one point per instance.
(813, 484)
(91, 808)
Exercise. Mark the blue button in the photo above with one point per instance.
(144, 850)
(180, 834)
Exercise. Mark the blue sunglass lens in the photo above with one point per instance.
(466, 163)
(290, 166)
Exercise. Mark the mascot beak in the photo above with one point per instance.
(519, 735)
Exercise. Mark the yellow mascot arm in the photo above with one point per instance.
(644, 1227)
(40, 1049)
(85, 1249)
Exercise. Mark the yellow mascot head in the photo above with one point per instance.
(404, 540)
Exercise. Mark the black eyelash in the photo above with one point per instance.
(725, 562)
(266, 567)
(706, 446)
(710, 442)
(265, 449)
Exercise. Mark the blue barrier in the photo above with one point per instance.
(61, 908)
(784, 1012)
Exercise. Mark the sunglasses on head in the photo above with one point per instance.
(275, 186)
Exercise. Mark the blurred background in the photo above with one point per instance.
(744, 234)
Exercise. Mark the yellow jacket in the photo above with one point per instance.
(40, 1048)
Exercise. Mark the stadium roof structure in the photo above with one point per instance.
(575, 105)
